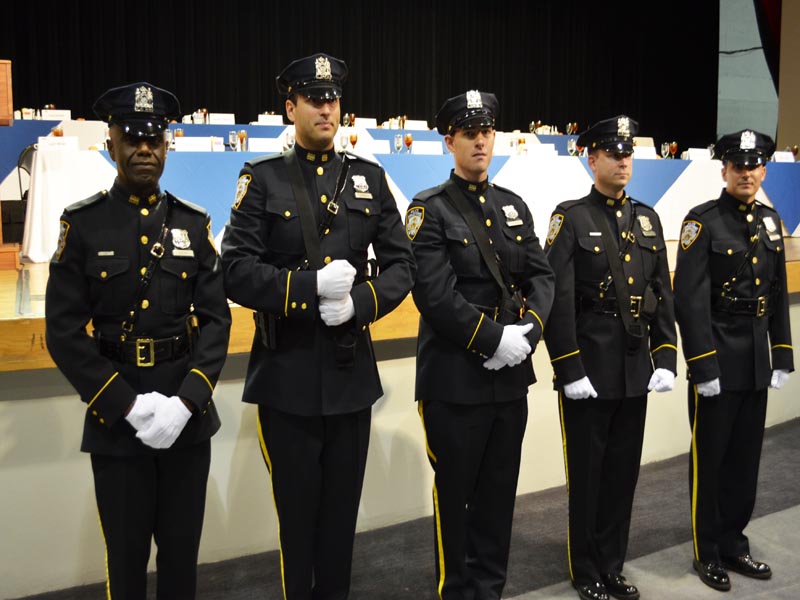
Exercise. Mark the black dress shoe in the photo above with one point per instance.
(592, 591)
(713, 575)
(619, 587)
(745, 565)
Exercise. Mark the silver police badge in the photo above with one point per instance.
(414, 218)
(689, 233)
(241, 189)
(474, 99)
(361, 187)
(556, 221)
(143, 99)
(180, 239)
(646, 225)
(624, 127)
(512, 216)
(747, 141)
(323, 67)
(772, 229)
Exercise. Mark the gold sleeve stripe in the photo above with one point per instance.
(286, 300)
(565, 356)
(662, 346)
(788, 346)
(211, 387)
(688, 360)
(374, 297)
(474, 333)
(535, 316)
(105, 385)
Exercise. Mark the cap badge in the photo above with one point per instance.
(474, 99)
(748, 140)
(624, 127)
(323, 66)
(143, 100)
(414, 218)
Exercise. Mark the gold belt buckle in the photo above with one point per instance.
(636, 306)
(761, 308)
(145, 345)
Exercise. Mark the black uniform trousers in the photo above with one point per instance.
(317, 468)
(475, 452)
(727, 432)
(159, 496)
(602, 440)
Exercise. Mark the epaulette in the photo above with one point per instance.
(566, 205)
(430, 192)
(504, 189)
(81, 204)
(260, 159)
(639, 203)
(186, 204)
(352, 156)
(705, 207)
(767, 206)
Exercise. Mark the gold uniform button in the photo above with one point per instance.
(654, 248)
(363, 328)
(103, 274)
(488, 222)
(623, 235)
(630, 280)
(730, 251)
(143, 270)
(184, 275)
(597, 248)
(749, 218)
(145, 212)
(482, 199)
(777, 248)
(145, 304)
(102, 420)
(304, 306)
(287, 213)
(144, 240)
(466, 241)
(519, 238)
(627, 258)
(366, 210)
(619, 214)
(327, 231)
(94, 413)
(323, 198)
(294, 304)
(328, 260)
(320, 170)
(758, 281)
(755, 259)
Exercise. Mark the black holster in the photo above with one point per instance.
(192, 332)
(346, 339)
(511, 309)
(267, 326)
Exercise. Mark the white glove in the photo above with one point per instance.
(169, 420)
(709, 388)
(580, 389)
(779, 378)
(335, 279)
(662, 380)
(512, 349)
(335, 312)
(141, 413)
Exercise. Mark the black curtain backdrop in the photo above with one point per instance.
(768, 17)
(551, 60)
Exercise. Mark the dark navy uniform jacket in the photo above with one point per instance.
(582, 342)
(455, 293)
(263, 247)
(104, 246)
(741, 349)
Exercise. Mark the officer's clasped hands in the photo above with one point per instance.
(169, 419)
(662, 380)
(578, 390)
(141, 413)
(335, 279)
(709, 388)
(336, 311)
(513, 347)
(779, 378)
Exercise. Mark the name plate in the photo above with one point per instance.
(49, 114)
(51, 142)
(192, 144)
(783, 156)
(221, 118)
(270, 119)
(644, 152)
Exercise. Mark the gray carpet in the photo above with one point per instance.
(397, 562)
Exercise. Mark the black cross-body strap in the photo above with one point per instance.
(307, 221)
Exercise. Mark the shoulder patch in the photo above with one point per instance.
(414, 218)
(689, 232)
(556, 221)
(62, 240)
(241, 188)
(186, 204)
(90, 201)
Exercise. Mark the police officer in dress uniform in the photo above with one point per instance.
(312, 368)
(611, 339)
(477, 331)
(140, 264)
(732, 307)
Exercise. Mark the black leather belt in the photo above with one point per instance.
(143, 351)
(608, 306)
(751, 307)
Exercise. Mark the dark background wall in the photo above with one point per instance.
(548, 60)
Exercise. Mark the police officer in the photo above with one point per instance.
(296, 251)
(732, 307)
(611, 339)
(481, 317)
(140, 264)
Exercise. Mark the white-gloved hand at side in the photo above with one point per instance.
(709, 388)
(779, 378)
(171, 416)
(141, 413)
(662, 380)
(335, 279)
(580, 389)
(512, 349)
(335, 312)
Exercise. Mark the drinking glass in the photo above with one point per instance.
(572, 146)
(290, 139)
(353, 138)
(178, 132)
(398, 142)
(408, 139)
(233, 139)
(664, 149)
(352, 119)
(346, 120)
(243, 140)
(673, 149)
(343, 139)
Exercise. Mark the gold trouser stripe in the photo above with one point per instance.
(105, 385)
(565, 356)
(428, 450)
(474, 333)
(694, 472)
(105, 545)
(566, 472)
(286, 300)
(438, 540)
(199, 372)
(374, 297)
(268, 461)
(688, 360)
